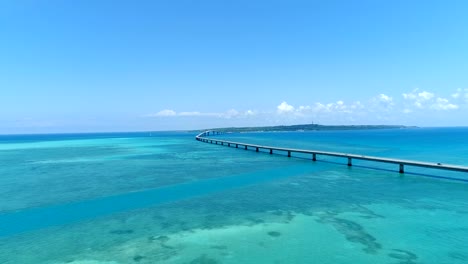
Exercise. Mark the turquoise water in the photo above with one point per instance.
(166, 198)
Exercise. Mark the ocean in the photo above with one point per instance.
(163, 197)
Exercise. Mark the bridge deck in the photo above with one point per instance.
(202, 137)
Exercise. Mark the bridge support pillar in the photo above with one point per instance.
(349, 162)
(402, 168)
(289, 153)
(314, 157)
(256, 149)
(245, 147)
(271, 151)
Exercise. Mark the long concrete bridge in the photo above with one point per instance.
(203, 137)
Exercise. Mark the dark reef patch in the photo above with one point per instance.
(290, 216)
(274, 233)
(404, 256)
(365, 212)
(163, 239)
(255, 221)
(166, 225)
(277, 212)
(121, 232)
(138, 258)
(353, 232)
(219, 247)
(203, 259)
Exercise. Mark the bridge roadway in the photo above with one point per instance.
(203, 137)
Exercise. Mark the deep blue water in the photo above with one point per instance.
(163, 197)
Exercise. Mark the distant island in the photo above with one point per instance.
(307, 127)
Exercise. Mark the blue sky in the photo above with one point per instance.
(83, 66)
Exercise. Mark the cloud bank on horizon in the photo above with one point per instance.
(406, 109)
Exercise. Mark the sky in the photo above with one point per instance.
(102, 65)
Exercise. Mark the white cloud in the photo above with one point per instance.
(428, 100)
(419, 99)
(305, 111)
(303, 108)
(166, 112)
(458, 93)
(249, 113)
(319, 107)
(422, 96)
(338, 106)
(461, 94)
(382, 102)
(425, 95)
(443, 104)
(385, 98)
(190, 114)
(418, 104)
(357, 105)
(409, 96)
(285, 108)
(227, 114)
(232, 113)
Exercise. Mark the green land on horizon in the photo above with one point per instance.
(307, 127)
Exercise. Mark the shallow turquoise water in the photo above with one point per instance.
(166, 198)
